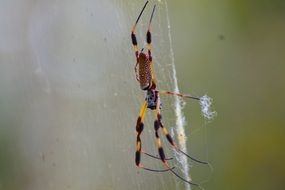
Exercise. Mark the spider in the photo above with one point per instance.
(146, 78)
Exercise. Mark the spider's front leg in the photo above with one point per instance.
(133, 35)
(148, 34)
(149, 49)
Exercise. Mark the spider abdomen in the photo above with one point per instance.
(145, 73)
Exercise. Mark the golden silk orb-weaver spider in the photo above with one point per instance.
(146, 78)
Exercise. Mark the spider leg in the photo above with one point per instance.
(158, 143)
(156, 157)
(178, 94)
(166, 133)
(173, 144)
(148, 34)
(139, 129)
(133, 36)
(149, 48)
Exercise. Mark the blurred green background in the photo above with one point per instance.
(69, 99)
(234, 50)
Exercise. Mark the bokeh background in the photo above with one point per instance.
(69, 99)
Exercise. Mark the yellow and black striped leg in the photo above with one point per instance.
(157, 125)
(135, 44)
(170, 140)
(148, 34)
(133, 36)
(165, 132)
(149, 49)
(156, 128)
(168, 137)
(173, 144)
(139, 129)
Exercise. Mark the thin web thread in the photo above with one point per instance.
(180, 120)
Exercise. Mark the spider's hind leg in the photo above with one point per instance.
(159, 146)
(171, 141)
(157, 127)
(139, 129)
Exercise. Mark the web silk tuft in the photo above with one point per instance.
(205, 103)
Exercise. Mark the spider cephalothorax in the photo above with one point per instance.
(152, 99)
